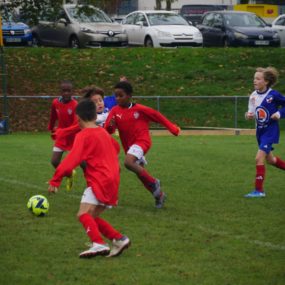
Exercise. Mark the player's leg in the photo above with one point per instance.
(275, 161)
(56, 156)
(90, 208)
(119, 242)
(259, 175)
(133, 161)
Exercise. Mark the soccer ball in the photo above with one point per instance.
(38, 205)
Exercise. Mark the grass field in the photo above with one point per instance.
(207, 233)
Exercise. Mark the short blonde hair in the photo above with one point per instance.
(270, 74)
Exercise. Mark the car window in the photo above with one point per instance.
(62, 15)
(280, 21)
(141, 18)
(218, 20)
(243, 20)
(87, 15)
(157, 19)
(130, 20)
(208, 20)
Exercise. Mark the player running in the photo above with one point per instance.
(132, 121)
(264, 105)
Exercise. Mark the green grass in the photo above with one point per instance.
(207, 233)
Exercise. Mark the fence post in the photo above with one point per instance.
(158, 103)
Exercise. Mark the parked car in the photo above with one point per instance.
(160, 29)
(14, 31)
(236, 28)
(193, 13)
(279, 25)
(79, 26)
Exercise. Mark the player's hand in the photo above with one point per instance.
(52, 189)
(249, 115)
(275, 116)
(112, 122)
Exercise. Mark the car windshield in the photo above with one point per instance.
(159, 19)
(88, 15)
(243, 20)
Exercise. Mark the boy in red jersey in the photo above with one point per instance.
(62, 115)
(132, 121)
(100, 152)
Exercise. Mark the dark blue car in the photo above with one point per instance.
(234, 28)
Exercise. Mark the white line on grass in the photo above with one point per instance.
(201, 228)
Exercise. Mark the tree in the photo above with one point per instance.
(31, 10)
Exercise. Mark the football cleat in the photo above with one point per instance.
(255, 194)
(70, 181)
(159, 201)
(119, 245)
(94, 250)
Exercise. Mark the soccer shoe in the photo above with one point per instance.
(255, 194)
(119, 245)
(94, 250)
(160, 200)
(70, 181)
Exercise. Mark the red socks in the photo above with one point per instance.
(96, 226)
(259, 177)
(280, 163)
(107, 230)
(147, 180)
(91, 228)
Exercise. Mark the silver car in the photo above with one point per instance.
(76, 26)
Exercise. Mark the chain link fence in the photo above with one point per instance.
(31, 113)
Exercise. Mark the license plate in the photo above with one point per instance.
(13, 40)
(111, 39)
(261, 43)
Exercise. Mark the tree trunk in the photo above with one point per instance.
(158, 4)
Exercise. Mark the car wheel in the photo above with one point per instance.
(36, 42)
(148, 42)
(74, 42)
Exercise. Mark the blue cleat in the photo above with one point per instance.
(255, 194)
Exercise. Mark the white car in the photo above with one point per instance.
(160, 29)
(279, 25)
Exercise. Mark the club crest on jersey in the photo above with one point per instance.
(269, 99)
(262, 115)
(69, 111)
(136, 115)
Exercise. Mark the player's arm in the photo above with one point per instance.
(71, 161)
(64, 132)
(250, 114)
(280, 100)
(52, 118)
(110, 124)
(157, 117)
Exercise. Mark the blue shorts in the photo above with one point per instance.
(266, 147)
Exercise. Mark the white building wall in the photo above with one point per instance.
(176, 5)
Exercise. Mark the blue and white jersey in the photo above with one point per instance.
(264, 105)
(101, 117)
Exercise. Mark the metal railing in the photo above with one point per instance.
(31, 113)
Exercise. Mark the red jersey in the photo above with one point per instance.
(64, 115)
(100, 152)
(133, 125)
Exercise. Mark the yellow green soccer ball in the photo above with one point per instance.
(38, 205)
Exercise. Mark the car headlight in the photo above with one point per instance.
(88, 31)
(275, 36)
(164, 34)
(240, 36)
(27, 31)
(197, 35)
